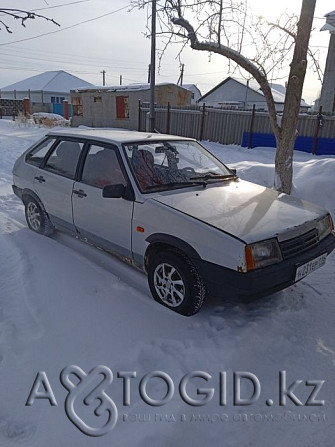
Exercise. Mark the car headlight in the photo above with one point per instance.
(325, 226)
(261, 254)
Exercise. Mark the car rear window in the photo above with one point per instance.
(64, 158)
(36, 155)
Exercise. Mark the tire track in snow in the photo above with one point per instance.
(18, 324)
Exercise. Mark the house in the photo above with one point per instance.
(196, 93)
(237, 94)
(118, 106)
(46, 91)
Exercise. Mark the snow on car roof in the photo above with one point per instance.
(112, 135)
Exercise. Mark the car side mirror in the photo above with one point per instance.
(114, 191)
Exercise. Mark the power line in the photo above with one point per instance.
(45, 55)
(66, 28)
(77, 56)
(88, 63)
(55, 6)
(61, 6)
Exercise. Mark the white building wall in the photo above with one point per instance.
(237, 95)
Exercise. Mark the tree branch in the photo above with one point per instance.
(6, 27)
(23, 15)
(237, 57)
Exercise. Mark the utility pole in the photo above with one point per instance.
(246, 95)
(149, 73)
(181, 77)
(153, 67)
(103, 77)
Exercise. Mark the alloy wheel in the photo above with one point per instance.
(34, 216)
(169, 284)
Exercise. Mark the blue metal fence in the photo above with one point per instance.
(58, 108)
(325, 146)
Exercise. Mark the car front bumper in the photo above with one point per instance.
(221, 281)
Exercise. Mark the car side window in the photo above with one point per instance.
(64, 158)
(102, 167)
(36, 155)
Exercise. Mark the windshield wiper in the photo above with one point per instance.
(214, 177)
(174, 184)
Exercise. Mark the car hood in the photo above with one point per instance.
(245, 210)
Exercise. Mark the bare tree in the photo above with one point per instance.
(21, 15)
(220, 27)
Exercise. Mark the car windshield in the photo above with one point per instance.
(163, 165)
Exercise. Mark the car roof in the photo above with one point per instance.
(114, 136)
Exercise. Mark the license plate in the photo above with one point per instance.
(310, 266)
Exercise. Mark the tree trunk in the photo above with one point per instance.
(286, 135)
(284, 161)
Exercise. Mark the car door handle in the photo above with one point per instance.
(40, 179)
(80, 193)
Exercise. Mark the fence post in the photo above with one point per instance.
(66, 109)
(317, 128)
(139, 124)
(168, 118)
(251, 128)
(202, 125)
(26, 107)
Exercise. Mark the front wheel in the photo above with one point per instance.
(36, 217)
(175, 282)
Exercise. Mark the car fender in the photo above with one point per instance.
(196, 238)
(30, 192)
(173, 241)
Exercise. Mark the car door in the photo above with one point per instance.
(104, 221)
(54, 180)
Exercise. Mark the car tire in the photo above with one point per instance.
(37, 219)
(175, 282)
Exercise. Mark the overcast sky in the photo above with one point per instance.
(116, 43)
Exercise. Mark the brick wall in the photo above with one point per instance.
(10, 107)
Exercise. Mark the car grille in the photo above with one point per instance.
(298, 245)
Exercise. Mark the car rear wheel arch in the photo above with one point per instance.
(29, 194)
(36, 216)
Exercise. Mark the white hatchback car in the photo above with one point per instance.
(169, 207)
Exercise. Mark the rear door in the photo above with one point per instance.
(54, 181)
(104, 221)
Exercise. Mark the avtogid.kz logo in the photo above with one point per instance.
(89, 391)
(97, 394)
(85, 390)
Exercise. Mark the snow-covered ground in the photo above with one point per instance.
(66, 303)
